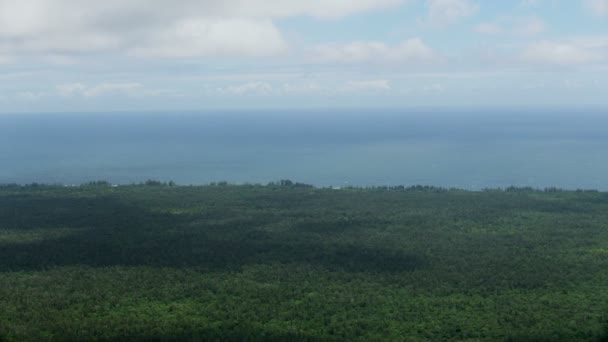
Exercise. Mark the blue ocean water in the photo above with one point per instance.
(465, 149)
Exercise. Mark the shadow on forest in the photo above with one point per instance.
(223, 332)
(108, 231)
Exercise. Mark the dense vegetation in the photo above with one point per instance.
(291, 262)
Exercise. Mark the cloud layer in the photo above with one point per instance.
(413, 50)
(167, 28)
(445, 12)
(207, 51)
(79, 89)
(598, 7)
(573, 52)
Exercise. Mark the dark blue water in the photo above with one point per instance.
(465, 149)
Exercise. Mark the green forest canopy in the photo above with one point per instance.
(288, 261)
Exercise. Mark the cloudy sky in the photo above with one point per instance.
(75, 55)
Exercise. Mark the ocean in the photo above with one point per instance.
(469, 149)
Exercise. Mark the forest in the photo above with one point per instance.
(288, 261)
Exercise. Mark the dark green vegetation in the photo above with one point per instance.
(290, 262)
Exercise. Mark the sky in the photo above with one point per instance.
(115, 55)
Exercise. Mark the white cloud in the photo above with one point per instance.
(6, 59)
(597, 7)
(58, 59)
(315, 8)
(564, 53)
(249, 88)
(591, 42)
(526, 26)
(30, 96)
(409, 51)
(529, 3)
(433, 88)
(159, 27)
(8, 77)
(571, 84)
(382, 85)
(533, 86)
(213, 37)
(306, 87)
(488, 28)
(57, 44)
(79, 89)
(531, 26)
(302, 87)
(445, 12)
(71, 89)
(105, 88)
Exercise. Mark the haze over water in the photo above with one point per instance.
(464, 149)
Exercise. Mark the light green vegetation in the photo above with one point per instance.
(297, 263)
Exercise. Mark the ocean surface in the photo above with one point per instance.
(466, 149)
